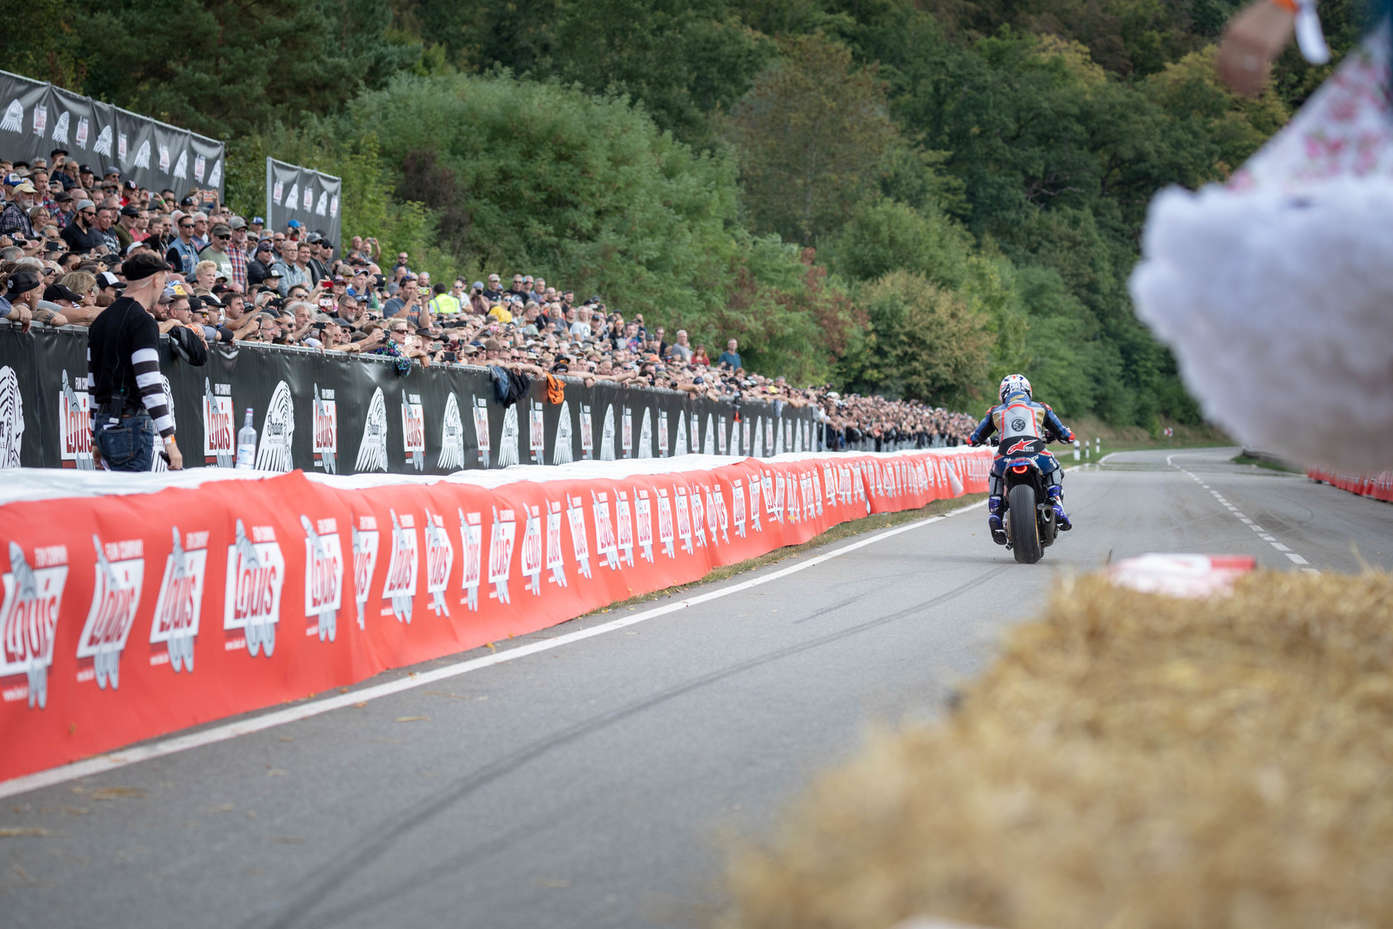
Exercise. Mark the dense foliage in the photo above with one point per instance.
(908, 196)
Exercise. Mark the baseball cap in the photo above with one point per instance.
(107, 279)
(237, 222)
(24, 280)
(24, 187)
(111, 169)
(59, 292)
(294, 224)
(141, 265)
(258, 221)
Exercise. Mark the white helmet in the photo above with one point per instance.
(1014, 384)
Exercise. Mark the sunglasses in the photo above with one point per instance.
(222, 236)
(186, 225)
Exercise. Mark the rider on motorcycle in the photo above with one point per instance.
(1019, 416)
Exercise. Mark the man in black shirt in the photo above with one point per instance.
(81, 234)
(259, 266)
(123, 365)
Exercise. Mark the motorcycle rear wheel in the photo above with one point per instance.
(1025, 531)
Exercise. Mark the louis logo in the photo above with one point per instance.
(323, 575)
(400, 586)
(255, 579)
(556, 557)
(505, 530)
(471, 556)
(120, 573)
(180, 604)
(440, 561)
(29, 619)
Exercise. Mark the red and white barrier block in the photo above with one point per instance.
(1379, 486)
(132, 608)
(1181, 575)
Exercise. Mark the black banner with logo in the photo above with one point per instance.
(39, 118)
(303, 194)
(349, 415)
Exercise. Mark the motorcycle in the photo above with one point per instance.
(1027, 514)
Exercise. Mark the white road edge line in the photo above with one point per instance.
(221, 733)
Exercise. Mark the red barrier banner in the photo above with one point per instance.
(1378, 486)
(126, 617)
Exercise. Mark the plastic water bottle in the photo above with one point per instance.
(246, 444)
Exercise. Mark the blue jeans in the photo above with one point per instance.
(129, 443)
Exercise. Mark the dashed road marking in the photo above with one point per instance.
(1261, 533)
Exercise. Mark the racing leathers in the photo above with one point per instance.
(1018, 417)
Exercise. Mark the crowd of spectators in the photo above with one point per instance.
(64, 231)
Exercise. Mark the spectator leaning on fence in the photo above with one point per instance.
(124, 374)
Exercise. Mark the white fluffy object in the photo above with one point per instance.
(1279, 307)
(1276, 291)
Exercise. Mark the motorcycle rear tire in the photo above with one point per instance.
(1025, 531)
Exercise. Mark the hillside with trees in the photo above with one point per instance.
(888, 195)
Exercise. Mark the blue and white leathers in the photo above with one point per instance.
(1018, 417)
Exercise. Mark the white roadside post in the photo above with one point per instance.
(1097, 446)
(1076, 450)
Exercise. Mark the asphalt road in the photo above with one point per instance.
(592, 785)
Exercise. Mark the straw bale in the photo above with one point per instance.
(1130, 761)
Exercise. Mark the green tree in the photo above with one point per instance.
(922, 342)
(884, 235)
(41, 43)
(229, 67)
(788, 315)
(681, 60)
(810, 136)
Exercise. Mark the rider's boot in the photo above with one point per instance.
(994, 520)
(1061, 518)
